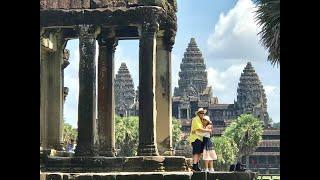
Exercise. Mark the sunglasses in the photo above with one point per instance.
(201, 113)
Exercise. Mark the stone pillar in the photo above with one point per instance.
(163, 98)
(87, 93)
(65, 90)
(247, 162)
(54, 96)
(147, 82)
(106, 103)
(43, 96)
(188, 113)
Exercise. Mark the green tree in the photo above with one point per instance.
(226, 150)
(268, 16)
(69, 132)
(127, 136)
(246, 131)
(176, 131)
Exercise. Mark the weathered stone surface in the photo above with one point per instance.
(54, 177)
(114, 164)
(124, 92)
(175, 163)
(87, 93)
(199, 176)
(151, 176)
(75, 4)
(42, 176)
(163, 98)
(177, 177)
(232, 175)
(147, 102)
(152, 163)
(193, 77)
(106, 103)
(104, 177)
(169, 5)
(84, 177)
(128, 177)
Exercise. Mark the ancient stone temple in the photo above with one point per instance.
(124, 92)
(154, 24)
(194, 93)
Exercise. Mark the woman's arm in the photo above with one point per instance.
(203, 130)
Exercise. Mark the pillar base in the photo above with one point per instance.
(85, 151)
(107, 153)
(55, 146)
(148, 150)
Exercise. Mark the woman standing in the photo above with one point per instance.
(209, 154)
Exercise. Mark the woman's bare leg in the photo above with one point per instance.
(196, 158)
(211, 164)
(206, 163)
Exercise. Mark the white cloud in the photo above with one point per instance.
(71, 80)
(132, 62)
(175, 69)
(273, 97)
(270, 90)
(235, 35)
(225, 83)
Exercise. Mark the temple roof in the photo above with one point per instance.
(269, 143)
(219, 106)
(124, 88)
(271, 132)
(266, 154)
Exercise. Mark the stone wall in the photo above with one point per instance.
(92, 4)
(153, 176)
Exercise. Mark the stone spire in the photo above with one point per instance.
(124, 90)
(193, 76)
(251, 96)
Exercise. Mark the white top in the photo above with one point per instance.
(204, 134)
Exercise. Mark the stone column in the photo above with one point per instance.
(247, 161)
(163, 98)
(106, 104)
(87, 93)
(147, 82)
(43, 96)
(54, 95)
(188, 113)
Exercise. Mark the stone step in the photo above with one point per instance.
(150, 176)
(114, 164)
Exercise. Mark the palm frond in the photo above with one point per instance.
(268, 17)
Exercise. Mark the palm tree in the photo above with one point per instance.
(268, 16)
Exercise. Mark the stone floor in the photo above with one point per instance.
(114, 164)
(150, 176)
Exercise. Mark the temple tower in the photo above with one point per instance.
(251, 96)
(193, 76)
(124, 92)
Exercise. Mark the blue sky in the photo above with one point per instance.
(226, 34)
